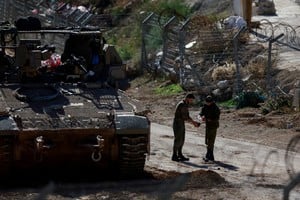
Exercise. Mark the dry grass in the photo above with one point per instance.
(225, 72)
(201, 21)
(257, 66)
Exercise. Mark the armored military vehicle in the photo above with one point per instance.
(64, 107)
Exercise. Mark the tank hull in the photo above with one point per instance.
(90, 127)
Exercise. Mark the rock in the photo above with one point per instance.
(223, 84)
(217, 92)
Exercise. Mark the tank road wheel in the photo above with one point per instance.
(133, 151)
(6, 155)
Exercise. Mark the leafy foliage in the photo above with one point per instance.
(127, 39)
(231, 103)
(170, 89)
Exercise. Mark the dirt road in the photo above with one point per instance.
(245, 165)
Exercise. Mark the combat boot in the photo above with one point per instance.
(183, 158)
(208, 156)
(211, 157)
(175, 158)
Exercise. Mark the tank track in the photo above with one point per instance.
(6, 155)
(133, 151)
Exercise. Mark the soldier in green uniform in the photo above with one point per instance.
(210, 113)
(182, 115)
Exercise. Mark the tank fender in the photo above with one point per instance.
(130, 124)
(8, 123)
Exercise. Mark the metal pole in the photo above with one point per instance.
(237, 64)
(268, 69)
(144, 59)
(247, 11)
(238, 85)
(181, 54)
(269, 66)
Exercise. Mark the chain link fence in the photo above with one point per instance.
(191, 50)
(204, 55)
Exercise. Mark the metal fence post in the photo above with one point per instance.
(150, 24)
(296, 99)
(144, 59)
(269, 66)
(182, 35)
(238, 85)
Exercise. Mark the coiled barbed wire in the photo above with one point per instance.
(292, 151)
(268, 30)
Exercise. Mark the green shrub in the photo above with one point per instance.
(125, 52)
(174, 7)
(231, 103)
(128, 38)
(170, 89)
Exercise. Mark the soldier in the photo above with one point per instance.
(210, 113)
(182, 115)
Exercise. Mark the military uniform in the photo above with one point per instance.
(211, 114)
(181, 115)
